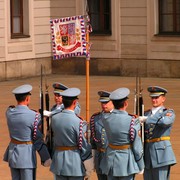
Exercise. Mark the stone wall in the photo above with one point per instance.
(24, 68)
(118, 67)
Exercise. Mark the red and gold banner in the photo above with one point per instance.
(68, 37)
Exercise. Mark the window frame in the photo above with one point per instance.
(101, 14)
(174, 19)
(21, 33)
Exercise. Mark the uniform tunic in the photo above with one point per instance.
(65, 127)
(122, 163)
(98, 139)
(58, 108)
(159, 154)
(20, 120)
(55, 110)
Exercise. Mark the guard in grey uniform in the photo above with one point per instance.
(71, 147)
(58, 107)
(98, 135)
(124, 155)
(159, 155)
(26, 138)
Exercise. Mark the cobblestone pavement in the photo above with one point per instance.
(97, 83)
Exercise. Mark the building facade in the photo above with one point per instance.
(143, 38)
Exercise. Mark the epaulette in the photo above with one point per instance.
(11, 106)
(133, 115)
(136, 121)
(80, 117)
(95, 114)
(147, 110)
(34, 110)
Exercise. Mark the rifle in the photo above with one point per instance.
(141, 109)
(140, 99)
(41, 109)
(47, 102)
(48, 138)
(138, 103)
(136, 97)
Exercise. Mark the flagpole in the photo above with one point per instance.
(87, 82)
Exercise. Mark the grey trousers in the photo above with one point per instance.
(161, 173)
(23, 174)
(111, 177)
(69, 177)
(102, 177)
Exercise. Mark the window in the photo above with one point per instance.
(100, 16)
(19, 18)
(169, 17)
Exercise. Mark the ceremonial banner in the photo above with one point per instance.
(68, 37)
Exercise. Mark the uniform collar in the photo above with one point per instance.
(154, 110)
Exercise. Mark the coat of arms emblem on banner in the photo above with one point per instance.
(68, 37)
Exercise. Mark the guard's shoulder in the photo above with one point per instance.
(56, 111)
(148, 110)
(134, 119)
(168, 112)
(95, 114)
(34, 110)
(11, 106)
(168, 109)
(80, 117)
(133, 115)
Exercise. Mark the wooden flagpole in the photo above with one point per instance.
(87, 82)
(87, 79)
(88, 30)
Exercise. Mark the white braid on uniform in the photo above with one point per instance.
(80, 133)
(35, 126)
(131, 130)
(93, 128)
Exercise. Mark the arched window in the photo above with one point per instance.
(100, 16)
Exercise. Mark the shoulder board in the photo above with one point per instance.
(168, 109)
(136, 121)
(11, 106)
(133, 115)
(34, 110)
(80, 117)
(146, 111)
(95, 114)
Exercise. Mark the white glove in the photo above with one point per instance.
(47, 113)
(89, 165)
(141, 172)
(142, 119)
(47, 163)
